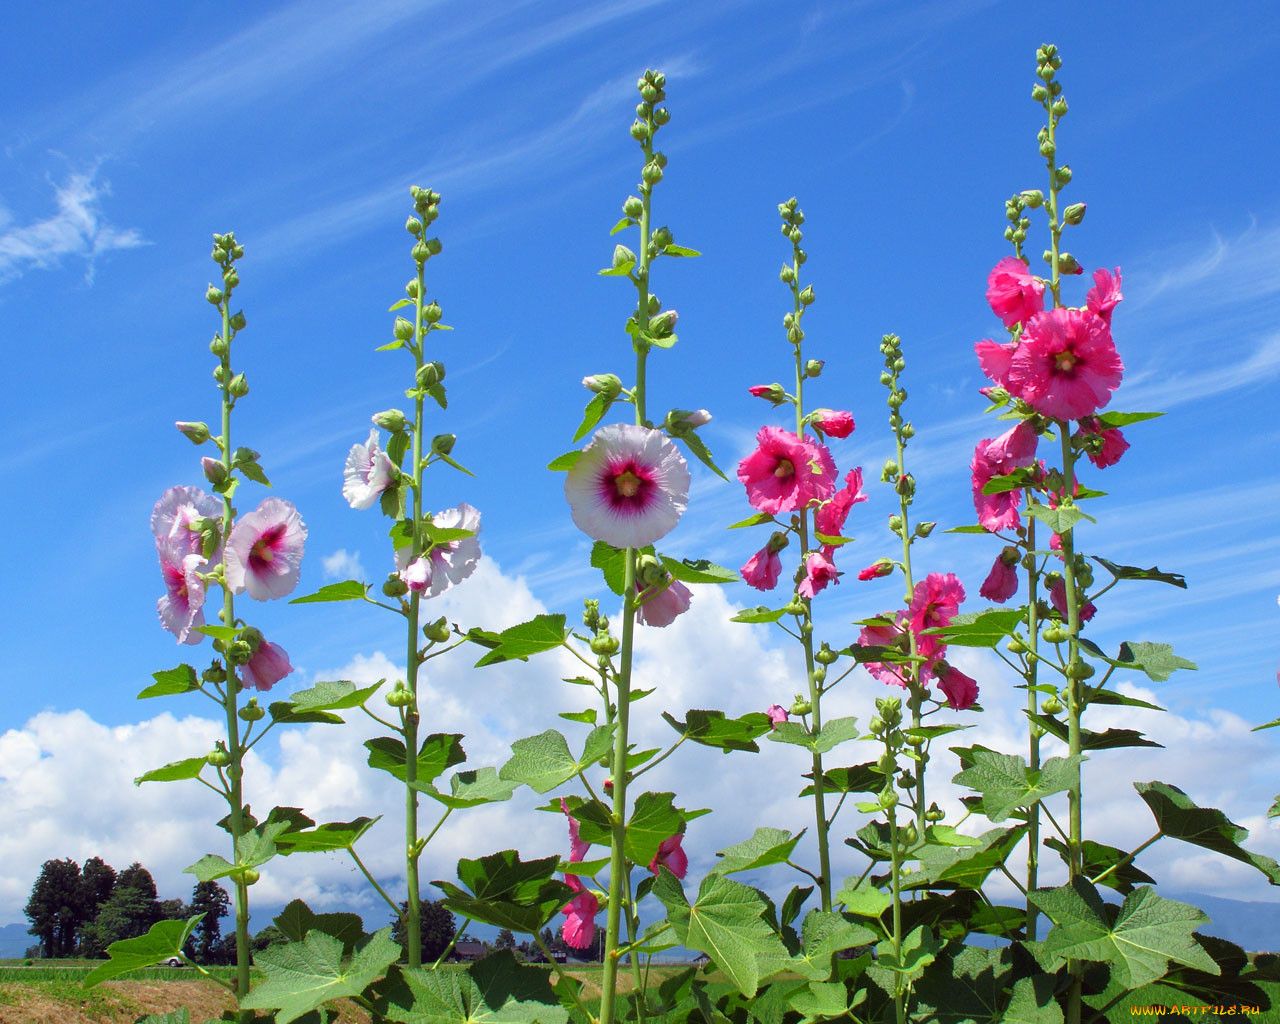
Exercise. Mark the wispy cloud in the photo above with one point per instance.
(77, 230)
(343, 565)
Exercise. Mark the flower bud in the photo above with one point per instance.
(214, 471)
(806, 295)
(775, 394)
(230, 278)
(895, 523)
(603, 384)
(391, 420)
(238, 322)
(442, 444)
(1015, 645)
(661, 115)
(1051, 706)
(213, 295)
(432, 312)
(239, 652)
(251, 712)
(1055, 634)
(633, 207)
(1067, 264)
(652, 173)
(215, 673)
(824, 655)
(777, 541)
(218, 757)
(800, 706)
(787, 274)
(196, 433)
(1032, 199)
(398, 696)
(219, 346)
(403, 329)
(411, 288)
(924, 529)
(395, 586)
(1079, 670)
(622, 256)
(662, 325)
(813, 368)
(887, 764)
(1074, 213)
(413, 226)
(238, 386)
(680, 421)
(438, 631)
(430, 374)
(1063, 175)
(934, 813)
(910, 835)
(420, 252)
(604, 645)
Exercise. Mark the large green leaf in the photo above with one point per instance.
(333, 835)
(1006, 782)
(823, 935)
(833, 733)
(1099, 857)
(1132, 572)
(594, 413)
(254, 848)
(759, 614)
(767, 846)
(980, 629)
(334, 695)
(473, 788)
(170, 682)
(296, 920)
(612, 563)
(1139, 940)
(497, 990)
(438, 753)
(507, 892)
(713, 729)
(1178, 817)
(175, 771)
(1061, 519)
(920, 947)
(859, 778)
(727, 922)
(303, 976)
(654, 818)
(541, 633)
(163, 940)
(543, 762)
(1156, 660)
(347, 590)
(863, 899)
(1109, 739)
(699, 571)
(967, 865)
(977, 986)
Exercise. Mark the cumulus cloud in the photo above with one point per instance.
(343, 565)
(77, 230)
(701, 661)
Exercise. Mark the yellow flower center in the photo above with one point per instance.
(627, 483)
(1065, 361)
(262, 552)
(784, 469)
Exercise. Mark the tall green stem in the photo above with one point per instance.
(899, 990)
(413, 850)
(916, 697)
(235, 770)
(1033, 735)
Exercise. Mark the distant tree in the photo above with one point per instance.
(97, 882)
(506, 940)
(269, 936)
(438, 929)
(129, 911)
(56, 907)
(210, 899)
(135, 876)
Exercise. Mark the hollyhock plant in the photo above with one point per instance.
(934, 603)
(268, 665)
(579, 927)
(786, 472)
(993, 457)
(367, 473)
(664, 604)
(1014, 293)
(629, 488)
(671, 856)
(1066, 365)
(1105, 294)
(763, 568)
(961, 690)
(876, 570)
(819, 570)
(1002, 581)
(181, 607)
(264, 551)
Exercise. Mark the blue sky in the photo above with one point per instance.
(132, 135)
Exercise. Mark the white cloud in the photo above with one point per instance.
(78, 229)
(343, 565)
(701, 661)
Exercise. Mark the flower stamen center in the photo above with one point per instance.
(784, 469)
(627, 484)
(1066, 361)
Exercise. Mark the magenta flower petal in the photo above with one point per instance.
(662, 608)
(180, 608)
(267, 667)
(934, 603)
(176, 512)
(819, 570)
(579, 926)
(1002, 581)
(577, 847)
(786, 472)
(777, 715)
(762, 569)
(367, 473)
(961, 690)
(995, 359)
(264, 551)
(1066, 365)
(1105, 294)
(884, 636)
(1000, 456)
(834, 422)
(671, 856)
(1013, 292)
(831, 515)
(629, 488)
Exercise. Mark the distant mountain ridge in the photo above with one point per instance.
(14, 940)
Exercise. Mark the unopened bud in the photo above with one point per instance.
(813, 368)
(603, 384)
(806, 295)
(214, 470)
(442, 444)
(652, 173)
(432, 312)
(196, 433)
(633, 207)
(1032, 199)
(1074, 213)
(787, 274)
(413, 226)
(438, 631)
(398, 696)
(824, 655)
(924, 529)
(251, 712)
(238, 386)
(395, 586)
(622, 256)
(238, 322)
(430, 374)
(801, 706)
(403, 329)
(604, 645)
(391, 420)
(213, 295)
(218, 757)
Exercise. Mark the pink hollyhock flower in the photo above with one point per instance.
(662, 608)
(264, 551)
(934, 603)
(961, 690)
(819, 570)
(629, 487)
(671, 856)
(1000, 456)
(833, 422)
(267, 667)
(777, 715)
(884, 636)
(1105, 294)
(762, 569)
(176, 513)
(1013, 292)
(830, 517)
(775, 394)
(577, 848)
(415, 575)
(876, 570)
(786, 472)
(452, 562)
(180, 608)
(1002, 582)
(579, 928)
(1058, 597)
(995, 359)
(367, 474)
(1114, 444)
(1066, 365)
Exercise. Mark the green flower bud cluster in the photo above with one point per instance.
(650, 117)
(802, 296)
(1014, 206)
(894, 364)
(426, 206)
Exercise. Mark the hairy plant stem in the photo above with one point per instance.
(806, 628)
(916, 691)
(235, 770)
(619, 871)
(899, 990)
(413, 851)
(1033, 735)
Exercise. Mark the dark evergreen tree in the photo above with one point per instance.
(210, 899)
(129, 911)
(506, 939)
(56, 907)
(438, 929)
(97, 882)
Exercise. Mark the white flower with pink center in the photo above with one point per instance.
(181, 607)
(367, 474)
(629, 488)
(178, 510)
(446, 564)
(264, 551)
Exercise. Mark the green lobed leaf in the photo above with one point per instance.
(347, 590)
(824, 934)
(759, 614)
(728, 922)
(474, 787)
(833, 733)
(701, 452)
(969, 865)
(1123, 419)
(544, 762)
(162, 940)
(1178, 817)
(333, 835)
(564, 463)
(1111, 739)
(541, 633)
(1099, 857)
(712, 729)
(303, 976)
(507, 892)
(497, 990)
(1061, 519)
(679, 250)
(1132, 572)
(171, 682)
(980, 629)
(767, 846)
(919, 949)
(438, 753)
(1139, 940)
(1006, 782)
(863, 899)
(333, 695)
(859, 778)
(594, 413)
(654, 818)
(175, 771)
(296, 920)
(698, 571)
